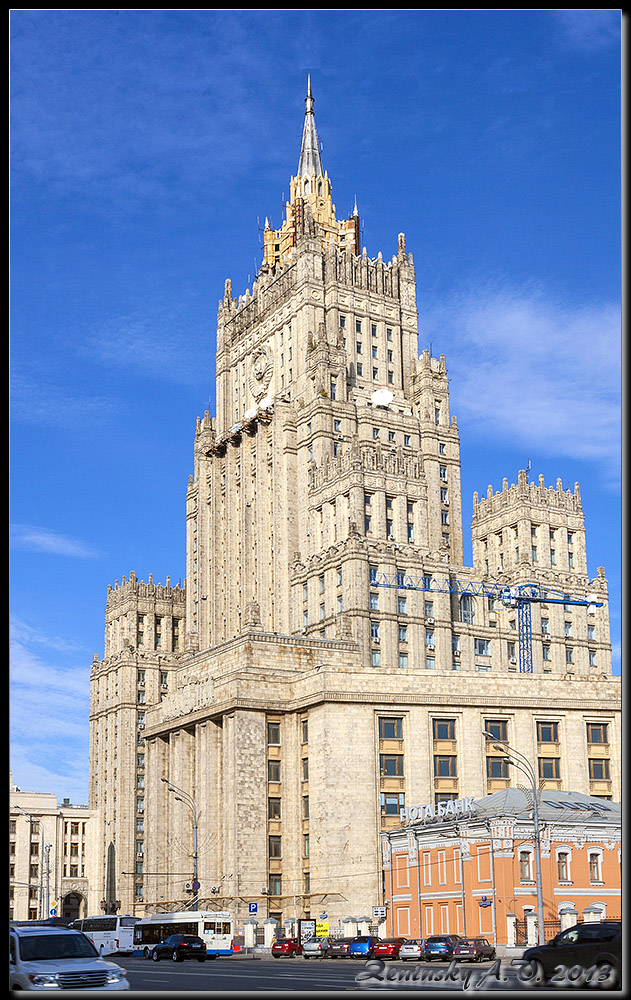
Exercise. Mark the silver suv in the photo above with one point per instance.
(56, 958)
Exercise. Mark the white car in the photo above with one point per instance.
(57, 958)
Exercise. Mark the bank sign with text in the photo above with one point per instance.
(442, 810)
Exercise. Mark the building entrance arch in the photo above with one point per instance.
(73, 906)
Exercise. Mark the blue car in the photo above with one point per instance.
(440, 946)
(361, 947)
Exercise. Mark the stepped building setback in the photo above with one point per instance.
(330, 659)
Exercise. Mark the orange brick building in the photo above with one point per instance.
(469, 867)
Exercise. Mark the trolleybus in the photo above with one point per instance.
(214, 927)
(108, 933)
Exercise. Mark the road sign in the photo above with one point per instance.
(253, 907)
(53, 911)
(379, 912)
(195, 886)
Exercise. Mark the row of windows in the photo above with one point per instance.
(391, 727)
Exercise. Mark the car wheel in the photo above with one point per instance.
(201, 959)
(175, 956)
(275, 956)
(155, 956)
(305, 956)
(610, 977)
(147, 953)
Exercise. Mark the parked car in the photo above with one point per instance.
(178, 947)
(56, 958)
(338, 947)
(441, 946)
(362, 946)
(474, 949)
(387, 947)
(413, 950)
(588, 945)
(316, 947)
(286, 948)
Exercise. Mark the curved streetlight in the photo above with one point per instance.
(524, 765)
(188, 800)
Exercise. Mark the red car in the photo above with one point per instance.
(286, 947)
(388, 947)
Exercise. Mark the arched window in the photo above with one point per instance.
(563, 859)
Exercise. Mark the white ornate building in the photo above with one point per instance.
(330, 656)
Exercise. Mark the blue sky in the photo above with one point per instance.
(147, 149)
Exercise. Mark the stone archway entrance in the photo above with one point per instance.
(72, 905)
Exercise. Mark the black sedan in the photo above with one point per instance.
(177, 947)
(591, 949)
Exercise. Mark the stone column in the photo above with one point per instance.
(269, 927)
(592, 914)
(511, 930)
(531, 928)
(350, 927)
(568, 916)
(249, 927)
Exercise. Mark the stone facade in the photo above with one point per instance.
(52, 851)
(328, 619)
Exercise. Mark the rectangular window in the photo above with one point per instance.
(599, 769)
(445, 766)
(392, 803)
(402, 605)
(597, 732)
(403, 633)
(549, 768)
(273, 847)
(275, 885)
(482, 647)
(497, 767)
(273, 770)
(273, 808)
(375, 657)
(444, 729)
(498, 728)
(547, 732)
(391, 765)
(273, 733)
(390, 728)
(403, 661)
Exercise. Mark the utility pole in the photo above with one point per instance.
(189, 801)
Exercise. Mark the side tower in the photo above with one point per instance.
(531, 533)
(144, 632)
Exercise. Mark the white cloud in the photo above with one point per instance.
(49, 716)
(45, 540)
(526, 370)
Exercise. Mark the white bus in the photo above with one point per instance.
(108, 934)
(215, 928)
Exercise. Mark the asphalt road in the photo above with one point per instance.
(275, 975)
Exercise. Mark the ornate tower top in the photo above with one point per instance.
(310, 209)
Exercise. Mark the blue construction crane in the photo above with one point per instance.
(520, 597)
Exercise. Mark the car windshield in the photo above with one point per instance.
(48, 947)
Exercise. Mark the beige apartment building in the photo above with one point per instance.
(330, 658)
(51, 853)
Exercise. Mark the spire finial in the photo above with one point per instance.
(310, 162)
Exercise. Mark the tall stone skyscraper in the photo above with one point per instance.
(331, 658)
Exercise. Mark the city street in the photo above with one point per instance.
(272, 975)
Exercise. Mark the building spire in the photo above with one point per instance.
(310, 162)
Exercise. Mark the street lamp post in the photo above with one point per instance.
(188, 800)
(524, 765)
